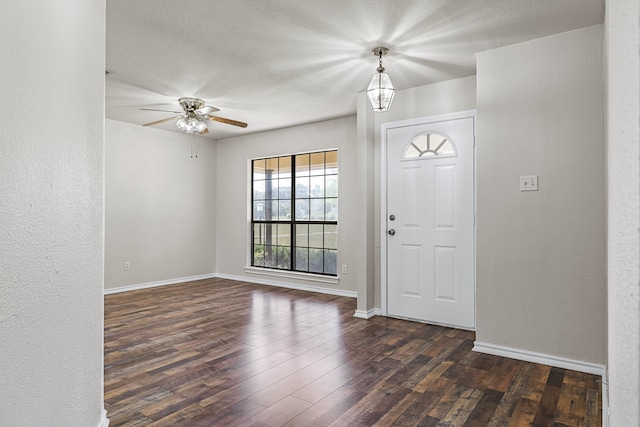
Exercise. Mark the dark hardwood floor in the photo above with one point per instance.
(219, 352)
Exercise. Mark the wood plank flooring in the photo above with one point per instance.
(226, 353)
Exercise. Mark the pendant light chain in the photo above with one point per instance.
(380, 71)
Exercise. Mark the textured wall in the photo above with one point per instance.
(51, 212)
(233, 188)
(160, 205)
(541, 255)
(623, 110)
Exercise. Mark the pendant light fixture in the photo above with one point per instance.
(380, 90)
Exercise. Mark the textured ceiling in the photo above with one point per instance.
(279, 63)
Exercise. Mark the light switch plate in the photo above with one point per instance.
(529, 183)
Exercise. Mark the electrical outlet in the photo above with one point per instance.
(127, 265)
(529, 183)
(344, 268)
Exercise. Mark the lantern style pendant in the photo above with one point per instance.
(380, 90)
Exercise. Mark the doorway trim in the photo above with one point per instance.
(384, 128)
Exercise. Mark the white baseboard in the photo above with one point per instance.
(544, 359)
(361, 314)
(159, 283)
(104, 421)
(329, 291)
(318, 289)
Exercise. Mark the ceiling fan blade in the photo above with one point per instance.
(204, 132)
(157, 122)
(227, 121)
(164, 111)
(207, 109)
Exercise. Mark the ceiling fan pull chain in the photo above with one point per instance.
(194, 144)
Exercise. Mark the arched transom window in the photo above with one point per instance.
(430, 146)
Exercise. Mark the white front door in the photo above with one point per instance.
(430, 221)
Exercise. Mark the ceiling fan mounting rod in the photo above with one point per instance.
(191, 104)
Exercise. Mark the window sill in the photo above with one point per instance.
(293, 275)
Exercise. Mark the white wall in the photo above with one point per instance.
(541, 255)
(450, 96)
(160, 205)
(623, 138)
(232, 188)
(51, 210)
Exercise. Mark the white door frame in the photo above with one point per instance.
(384, 128)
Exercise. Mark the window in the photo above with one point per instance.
(295, 213)
(429, 145)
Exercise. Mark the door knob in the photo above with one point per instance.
(391, 232)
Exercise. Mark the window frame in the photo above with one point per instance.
(424, 155)
(294, 223)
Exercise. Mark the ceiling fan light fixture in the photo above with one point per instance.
(380, 90)
(182, 124)
(191, 124)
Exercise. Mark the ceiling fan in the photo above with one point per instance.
(192, 118)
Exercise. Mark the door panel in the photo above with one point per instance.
(444, 194)
(411, 268)
(444, 269)
(410, 189)
(430, 258)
